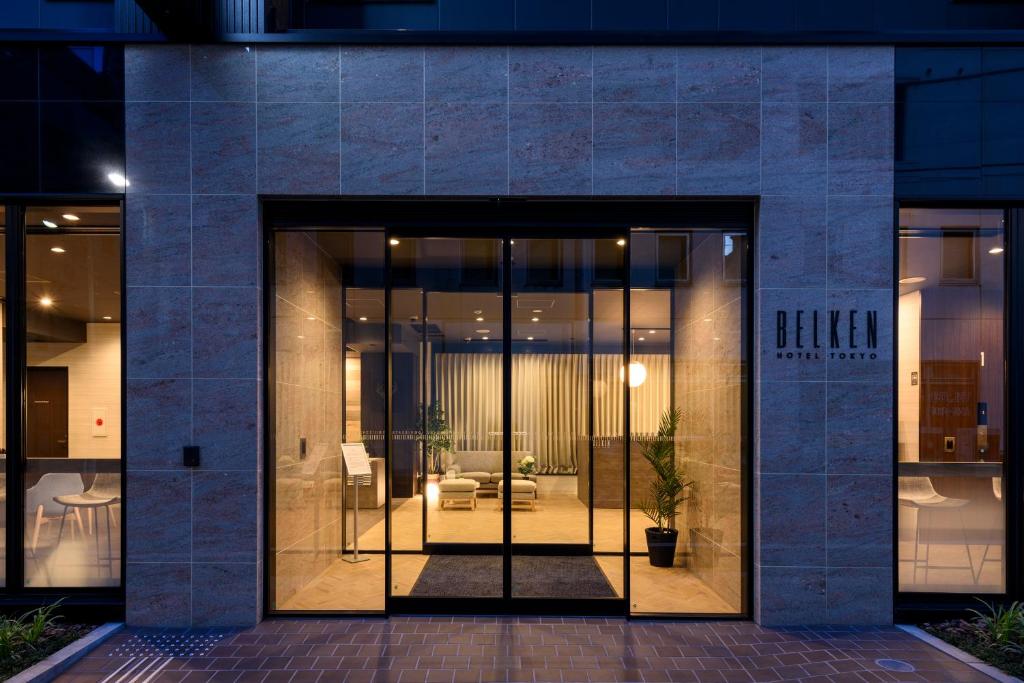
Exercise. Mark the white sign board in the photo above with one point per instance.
(357, 462)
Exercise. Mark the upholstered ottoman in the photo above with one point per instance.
(523, 491)
(456, 491)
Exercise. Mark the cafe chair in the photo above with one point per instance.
(40, 501)
(917, 493)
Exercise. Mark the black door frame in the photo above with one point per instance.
(563, 217)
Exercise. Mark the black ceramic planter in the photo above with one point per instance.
(661, 546)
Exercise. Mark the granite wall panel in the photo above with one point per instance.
(807, 130)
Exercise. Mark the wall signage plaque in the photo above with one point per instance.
(838, 334)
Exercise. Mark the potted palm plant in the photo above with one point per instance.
(438, 437)
(667, 491)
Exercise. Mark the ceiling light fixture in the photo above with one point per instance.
(483, 331)
(652, 331)
(996, 250)
(107, 317)
(535, 319)
(620, 242)
(529, 339)
(117, 179)
(912, 280)
(362, 318)
(70, 217)
(479, 318)
(45, 301)
(57, 250)
(49, 224)
(537, 310)
(486, 338)
(642, 339)
(394, 241)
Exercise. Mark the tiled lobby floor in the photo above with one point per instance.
(454, 649)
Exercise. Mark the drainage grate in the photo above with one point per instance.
(895, 665)
(168, 644)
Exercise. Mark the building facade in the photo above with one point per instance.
(513, 263)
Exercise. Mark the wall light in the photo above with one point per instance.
(118, 180)
(394, 241)
(621, 242)
(45, 301)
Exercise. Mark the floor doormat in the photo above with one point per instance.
(533, 576)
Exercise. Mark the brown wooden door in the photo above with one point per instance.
(47, 412)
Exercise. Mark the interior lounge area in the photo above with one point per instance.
(518, 365)
(62, 325)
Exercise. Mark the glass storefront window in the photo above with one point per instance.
(72, 472)
(329, 388)
(951, 410)
(688, 303)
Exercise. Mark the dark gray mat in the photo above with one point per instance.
(533, 576)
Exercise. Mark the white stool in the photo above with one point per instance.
(457, 491)
(523, 491)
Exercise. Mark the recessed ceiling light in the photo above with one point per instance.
(107, 317)
(45, 301)
(57, 250)
(643, 339)
(716, 339)
(70, 217)
(621, 242)
(652, 331)
(394, 241)
(707, 320)
(537, 310)
(483, 331)
(996, 250)
(117, 179)
(486, 338)
(913, 280)
(301, 337)
(467, 339)
(479, 318)
(49, 224)
(362, 318)
(529, 339)
(535, 319)
(310, 317)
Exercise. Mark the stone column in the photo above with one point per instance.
(823, 549)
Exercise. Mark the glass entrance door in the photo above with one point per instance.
(507, 418)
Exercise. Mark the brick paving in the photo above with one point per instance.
(477, 650)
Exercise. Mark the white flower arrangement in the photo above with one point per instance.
(527, 465)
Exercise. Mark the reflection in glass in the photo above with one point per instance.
(73, 396)
(329, 374)
(951, 431)
(687, 331)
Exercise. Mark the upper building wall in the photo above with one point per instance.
(693, 20)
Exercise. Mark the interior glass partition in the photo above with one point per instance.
(951, 422)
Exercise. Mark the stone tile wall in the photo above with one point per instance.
(210, 127)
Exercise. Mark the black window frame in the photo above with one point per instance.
(920, 606)
(88, 603)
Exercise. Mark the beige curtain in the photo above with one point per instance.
(549, 402)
